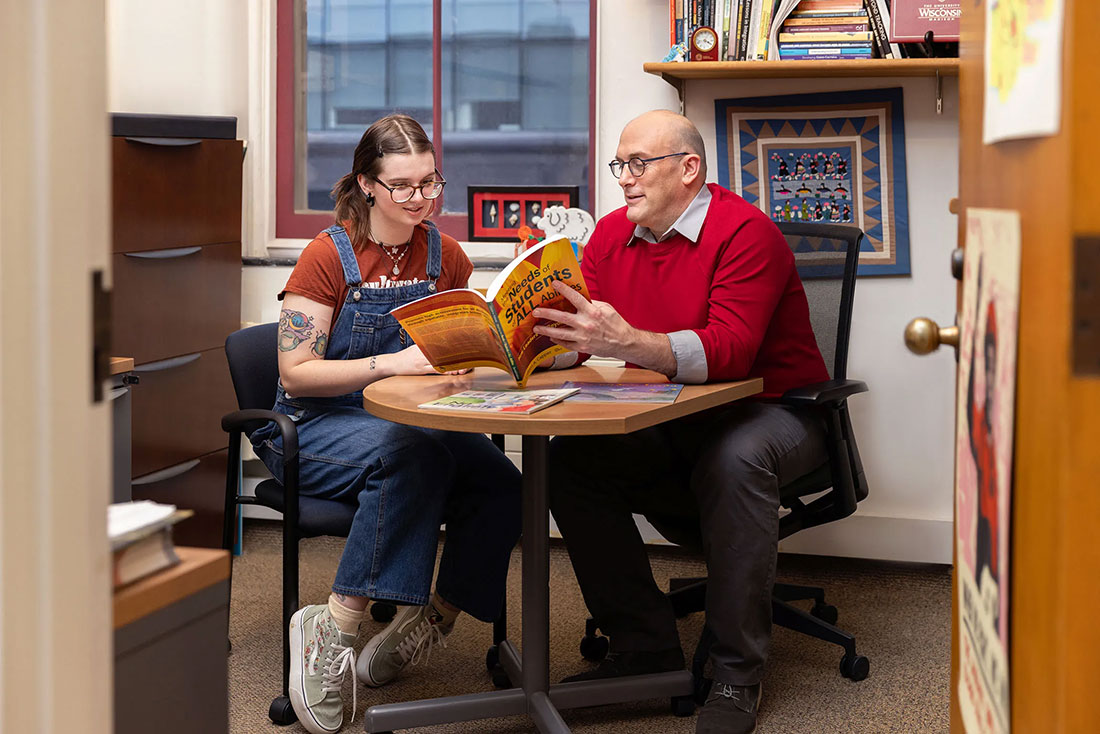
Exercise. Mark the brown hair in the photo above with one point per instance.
(391, 134)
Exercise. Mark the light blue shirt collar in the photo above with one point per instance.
(689, 224)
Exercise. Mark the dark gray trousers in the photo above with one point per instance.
(711, 482)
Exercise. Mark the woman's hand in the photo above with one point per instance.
(411, 361)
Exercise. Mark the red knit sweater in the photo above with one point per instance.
(737, 288)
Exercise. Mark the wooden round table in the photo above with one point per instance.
(396, 398)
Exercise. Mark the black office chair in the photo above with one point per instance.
(254, 369)
(829, 279)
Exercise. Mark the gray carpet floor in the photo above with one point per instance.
(899, 613)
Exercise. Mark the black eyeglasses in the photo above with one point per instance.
(637, 166)
(405, 192)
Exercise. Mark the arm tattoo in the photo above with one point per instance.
(373, 361)
(294, 328)
(320, 345)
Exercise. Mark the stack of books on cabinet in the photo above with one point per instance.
(140, 534)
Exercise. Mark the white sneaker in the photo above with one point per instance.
(320, 657)
(409, 638)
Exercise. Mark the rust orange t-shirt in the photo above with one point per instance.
(319, 276)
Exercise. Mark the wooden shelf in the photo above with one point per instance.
(686, 70)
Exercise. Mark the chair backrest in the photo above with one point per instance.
(827, 256)
(254, 365)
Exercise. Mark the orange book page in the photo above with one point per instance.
(455, 330)
(525, 286)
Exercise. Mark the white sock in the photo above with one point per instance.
(347, 619)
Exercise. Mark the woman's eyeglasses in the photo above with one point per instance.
(405, 192)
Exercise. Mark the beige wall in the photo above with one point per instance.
(171, 57)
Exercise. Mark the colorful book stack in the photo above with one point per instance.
(809, 29)
(742, 26)
(826, 29)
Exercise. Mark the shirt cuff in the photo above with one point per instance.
(564, 361)
(691, 359)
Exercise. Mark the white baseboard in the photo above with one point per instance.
(873, 536)
(859, 536)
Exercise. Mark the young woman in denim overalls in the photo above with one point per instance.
(406, 481)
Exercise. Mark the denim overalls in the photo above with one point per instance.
(406, 481)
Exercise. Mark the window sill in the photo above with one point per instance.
(484, 255)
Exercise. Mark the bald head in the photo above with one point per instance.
(669, 168)
(672, 131)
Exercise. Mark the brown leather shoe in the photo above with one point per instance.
(729, 710)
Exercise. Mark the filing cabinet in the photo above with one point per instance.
(176, 264)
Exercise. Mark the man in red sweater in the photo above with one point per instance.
(690, 280)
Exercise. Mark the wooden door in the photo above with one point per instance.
(1055, 561)
(55, 440)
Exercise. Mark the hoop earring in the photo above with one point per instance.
(370, 198)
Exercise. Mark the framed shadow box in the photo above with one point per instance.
(496, 213)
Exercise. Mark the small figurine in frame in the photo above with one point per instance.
(534, 211)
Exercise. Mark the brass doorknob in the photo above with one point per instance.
(924, 336)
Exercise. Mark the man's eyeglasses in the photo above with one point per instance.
(405, 192)
(637, 166)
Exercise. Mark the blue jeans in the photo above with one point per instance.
(407, 481)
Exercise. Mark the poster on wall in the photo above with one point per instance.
(835, 158)
(1023, 68)
(984, 430)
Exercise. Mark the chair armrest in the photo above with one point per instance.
(823, 393)
(239, 420)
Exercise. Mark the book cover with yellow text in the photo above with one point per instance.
(461, 328)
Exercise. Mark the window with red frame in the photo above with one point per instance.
(503, 87)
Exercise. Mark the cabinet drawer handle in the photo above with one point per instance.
(164, 254)
(167, 364)
(169, 473)
(165, 142)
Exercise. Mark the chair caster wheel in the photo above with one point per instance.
(825, 612)
(281, 712)
(683, 706)
(594, 647)
(855, 667)
(492, 657)
(383, 611)
(500, 678)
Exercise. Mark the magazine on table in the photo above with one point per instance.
(624, 392)
(523, 402)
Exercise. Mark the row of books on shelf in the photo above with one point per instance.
(815, 29)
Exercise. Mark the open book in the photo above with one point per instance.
(461, 328)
